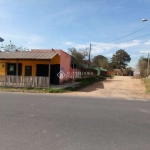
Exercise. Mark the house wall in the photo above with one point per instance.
(2, 68)
(33, 63)
(65, 61)
(111, 72)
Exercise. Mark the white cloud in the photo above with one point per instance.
(134, 55)
(147, 43)
(101, 47)
(68, 43)
(29, 41)
(144, 51)
(109, 55)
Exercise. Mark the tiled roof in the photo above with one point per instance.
(27, 55)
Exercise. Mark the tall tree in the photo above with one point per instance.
(103, 63)
(78, 55)
(97, 60)
(13, 48)
(120, 59)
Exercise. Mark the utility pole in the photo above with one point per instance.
(90, 53)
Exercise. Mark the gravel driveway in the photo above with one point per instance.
(119, 86)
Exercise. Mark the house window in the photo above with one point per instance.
(11, 68)
(28, 70)
(3, 66)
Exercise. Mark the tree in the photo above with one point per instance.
(98, 59)
(120, 59)
(13, 48)
(142, 65)
(78, 55)
(103, 63)
(128, 71)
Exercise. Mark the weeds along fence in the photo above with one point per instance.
(23, 81)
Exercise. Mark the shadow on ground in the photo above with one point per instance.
(99, 85)
(93, 87)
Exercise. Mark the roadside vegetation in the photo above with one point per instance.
(143, 66)
(147, 85)
(144, 72)
(82, 83)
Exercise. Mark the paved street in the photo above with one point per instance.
(59, 122)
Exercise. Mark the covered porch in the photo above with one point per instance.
(24, 81)
(29, 69)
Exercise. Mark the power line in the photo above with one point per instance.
(134, 38)
(129, 34)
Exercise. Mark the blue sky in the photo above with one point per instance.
(62, 24)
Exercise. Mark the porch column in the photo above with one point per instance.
(49, 69)
(17, 68)
(17, 72)
(6, 70)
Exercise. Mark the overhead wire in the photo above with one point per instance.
(129, 34)
(134, 38)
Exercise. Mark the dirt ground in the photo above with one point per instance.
(119, 86)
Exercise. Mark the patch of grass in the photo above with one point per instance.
(20, 89)
(147, 85)
(111, 76)
(55, 90)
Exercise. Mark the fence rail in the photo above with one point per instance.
(23, 81)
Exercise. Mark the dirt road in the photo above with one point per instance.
(120, 86)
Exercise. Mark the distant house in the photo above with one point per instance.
(115, 72)
(118, 72)
(50, 64)
(98, 70)
(89, 66)
(103, 72)
(136, 71)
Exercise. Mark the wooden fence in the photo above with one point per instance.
(23, 81)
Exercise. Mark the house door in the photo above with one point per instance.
(55, 69)
(42, 70)
(28, 70)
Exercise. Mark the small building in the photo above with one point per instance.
(103, 72)
(136, 71)
(41, 66)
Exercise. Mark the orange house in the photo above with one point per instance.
(64, 62)
(50, 63)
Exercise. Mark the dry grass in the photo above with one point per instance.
(147, 85)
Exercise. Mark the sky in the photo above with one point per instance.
(63, 24)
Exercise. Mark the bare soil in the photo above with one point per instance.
(119, 86)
